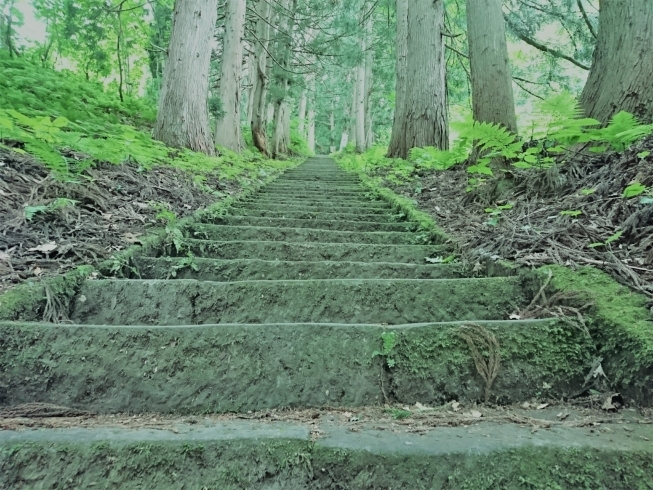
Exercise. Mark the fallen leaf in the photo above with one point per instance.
(455, 406)
(347, 415)
(37, 271)
(476, 414)
(515, 317)
(542, 406)
(132, 237)
(613, 402)
(526, 405)
(44, 247)
(419, 406)
(546, 386)
(5, 256)
(562, 415)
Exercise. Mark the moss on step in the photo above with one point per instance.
(620, 324)
(298, 465)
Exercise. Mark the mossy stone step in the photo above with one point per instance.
(204, 231)
(237, 454)
(324, 201)
(203, 269)
(389, 301)
(313, 223)
(236, 368)
(334, 208)
(309, 194)
(296, 251)
(267, 213)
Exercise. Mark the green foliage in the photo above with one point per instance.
(73, 114)
(496, 213)
(59, 203)
(398, 414)
(389, 340)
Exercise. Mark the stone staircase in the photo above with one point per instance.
(310, 294)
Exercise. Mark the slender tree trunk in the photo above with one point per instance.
(359, 121)
(227, 129)
(426, 122)
(369, 85)
(259, 120)
(281, 137)
(621, 77)
(492, 97)
(332, 128)
(251, 75)
(311, 121)
(401, 67)
(353, 111)
(183, 118)
(302, 113)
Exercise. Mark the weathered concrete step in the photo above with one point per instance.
(280, 213)
(334, 208)
(204, 231)
(294, 251)
(260, 455)
(322, 201)
(312, 194)
(263, 455)
(236, 368)
(390, 301)
(316, 186)
(247, 269)
(313, 223)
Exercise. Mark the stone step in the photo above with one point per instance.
(242, 270)
(294, 251)
(230, 233)
(280, 213)
(389, 301)
(235, 367)
(326, 208)
(323, 201)
(313, 223)
(236, 454)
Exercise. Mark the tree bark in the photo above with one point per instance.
(311, 122)
(621, 76)
(425, 104)
(353, 110)
(359, 121)
(259, 112)
(332, 128)
(183, 117)
(281, 137)
(227, 130)
(369, 85)
(401, 66)
(302, 113)
(492, 96)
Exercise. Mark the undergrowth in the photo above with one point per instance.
(557, 132)
(69, 123)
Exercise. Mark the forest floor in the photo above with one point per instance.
(573, 214)
(49, 226)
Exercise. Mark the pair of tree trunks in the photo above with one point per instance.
(183, 117)
(261, 78)
(361, 115)
(421, 103)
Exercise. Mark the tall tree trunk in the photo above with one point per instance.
(183, 118)
(302, 113)
(353, 110)
(227, 129)
(492, 97)
(369, 85)
(426, 122)
(621, 77)
(401, 67)
(311, 121)
(259, 119)
(359, 120)
(251, 76)
(281, 136)
(332, 128)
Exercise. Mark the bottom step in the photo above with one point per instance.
(340, 451)
(236, 368)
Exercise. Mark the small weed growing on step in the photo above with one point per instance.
(185, 263)
(486, 353)
(398, 414)
(389, 341)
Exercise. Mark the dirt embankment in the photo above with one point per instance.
(49, 226)
(573, 214)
